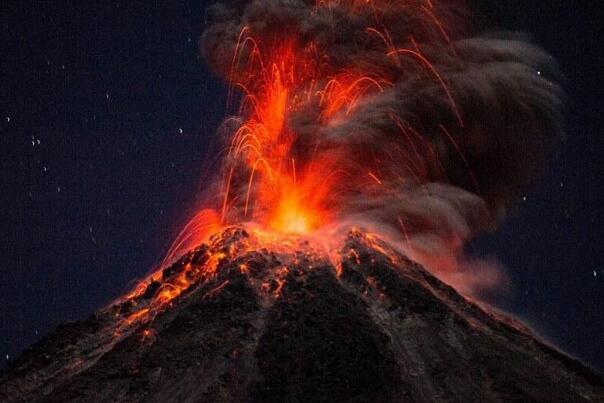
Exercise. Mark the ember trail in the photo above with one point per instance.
(394, 116)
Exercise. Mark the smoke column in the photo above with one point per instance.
(393, 115)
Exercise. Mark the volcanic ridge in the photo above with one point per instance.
(248, 323)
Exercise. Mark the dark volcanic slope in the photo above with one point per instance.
(288, 326)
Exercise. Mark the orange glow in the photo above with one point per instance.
(271, 177)
(136, 317)
(291, 216)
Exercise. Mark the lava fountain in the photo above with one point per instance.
(397, 116)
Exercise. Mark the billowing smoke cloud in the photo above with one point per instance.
(449, 128)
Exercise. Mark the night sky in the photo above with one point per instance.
(107, 117)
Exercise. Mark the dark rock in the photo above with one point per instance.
(151, 290)
(271, 326)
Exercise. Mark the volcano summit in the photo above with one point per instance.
(256, 323)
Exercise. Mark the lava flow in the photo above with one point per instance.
(392, 115)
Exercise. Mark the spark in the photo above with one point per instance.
(375, 178)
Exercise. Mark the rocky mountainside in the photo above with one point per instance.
(241, 319)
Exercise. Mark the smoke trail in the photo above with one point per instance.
(395, 114)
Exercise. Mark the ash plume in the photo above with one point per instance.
(443, 130)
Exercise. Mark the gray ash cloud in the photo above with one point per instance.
(454, 155)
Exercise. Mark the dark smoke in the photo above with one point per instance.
(478, 155)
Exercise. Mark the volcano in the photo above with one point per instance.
(250, 320)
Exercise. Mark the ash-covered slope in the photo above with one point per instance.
(251, 324)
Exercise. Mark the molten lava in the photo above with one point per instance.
(349, 114)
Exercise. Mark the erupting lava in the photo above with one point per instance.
(387, 114)
(292, 186)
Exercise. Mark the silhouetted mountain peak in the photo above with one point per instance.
(245, 318)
